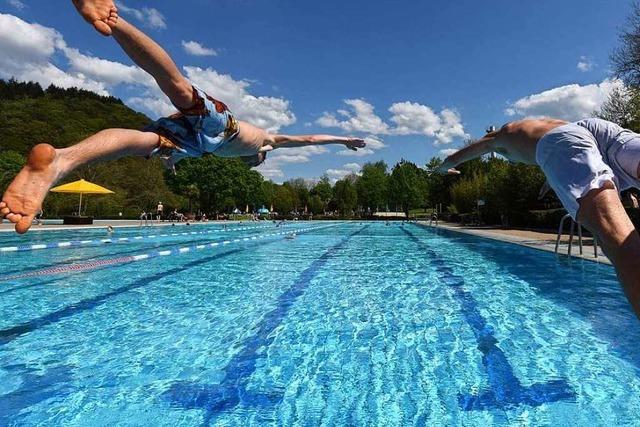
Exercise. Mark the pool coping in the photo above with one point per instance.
(541, 245)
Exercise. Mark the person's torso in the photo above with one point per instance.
(248, 141)
(518, 140)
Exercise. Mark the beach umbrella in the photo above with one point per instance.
(263, 211)
(81, 187)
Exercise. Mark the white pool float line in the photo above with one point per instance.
(154, 254)
(95, 242)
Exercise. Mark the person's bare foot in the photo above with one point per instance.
(102, 14)
(23, 199)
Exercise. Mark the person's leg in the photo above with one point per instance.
(152, 58)
(46, 165)
(602, 213)
(141, 49)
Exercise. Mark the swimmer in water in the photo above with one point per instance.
(201, 125)
(586, 181)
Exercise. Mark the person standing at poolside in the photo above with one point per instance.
(202, 125)
(159, 210)
(587, 164)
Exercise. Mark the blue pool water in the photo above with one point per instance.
(347, 324)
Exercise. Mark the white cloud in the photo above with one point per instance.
(346, 170)
(585, 64)
(27, 51)
(447, 152)
(408, 118)
(270, 172)
(360, 153)
(263, 111)
(417, 119)
(570, 102)
(110, 72)
(361, 118)
(17, 4)
(22, 41)
(412, 118)
(272, 167)
(295, 155)
(149, 16)
(196, 49)
(159, 106)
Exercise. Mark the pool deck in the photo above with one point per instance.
(532, 239)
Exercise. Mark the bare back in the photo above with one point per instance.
(517, 141)
(249, 140)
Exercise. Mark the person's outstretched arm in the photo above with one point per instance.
(284, 141)
(484, 145)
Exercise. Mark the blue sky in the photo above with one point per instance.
(419, 76)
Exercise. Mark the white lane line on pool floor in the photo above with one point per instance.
(76, 243)
(154, 254)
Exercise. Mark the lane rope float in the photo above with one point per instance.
(77, 243)
(153, 254)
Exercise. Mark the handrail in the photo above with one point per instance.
(571, 234)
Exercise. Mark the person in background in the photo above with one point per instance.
(159, 210)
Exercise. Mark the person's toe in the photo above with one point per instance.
(102, 27)
(24, 224)
(5, 211)
(14, 218)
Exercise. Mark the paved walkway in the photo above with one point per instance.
(533, 239)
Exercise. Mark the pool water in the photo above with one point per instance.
(345, 324)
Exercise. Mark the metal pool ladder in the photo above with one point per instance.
(571, 233)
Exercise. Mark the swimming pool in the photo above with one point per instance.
(347, 324)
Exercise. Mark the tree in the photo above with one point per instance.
(268, 191)
(438, 185)
(300, 190)
(345, 196)
(622, 107)
(407, 186)
(222, 183)
(323, 190)
(316, 206)
(626, 58)
(284, 199)
(372, 186)
(466, 192)
(10, 164)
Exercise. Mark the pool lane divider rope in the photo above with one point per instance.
(77, 243)
(90, 265)
(505, 389)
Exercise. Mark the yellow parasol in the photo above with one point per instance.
(81, 187)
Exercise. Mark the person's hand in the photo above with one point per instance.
(355, 143)
(445, 169)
